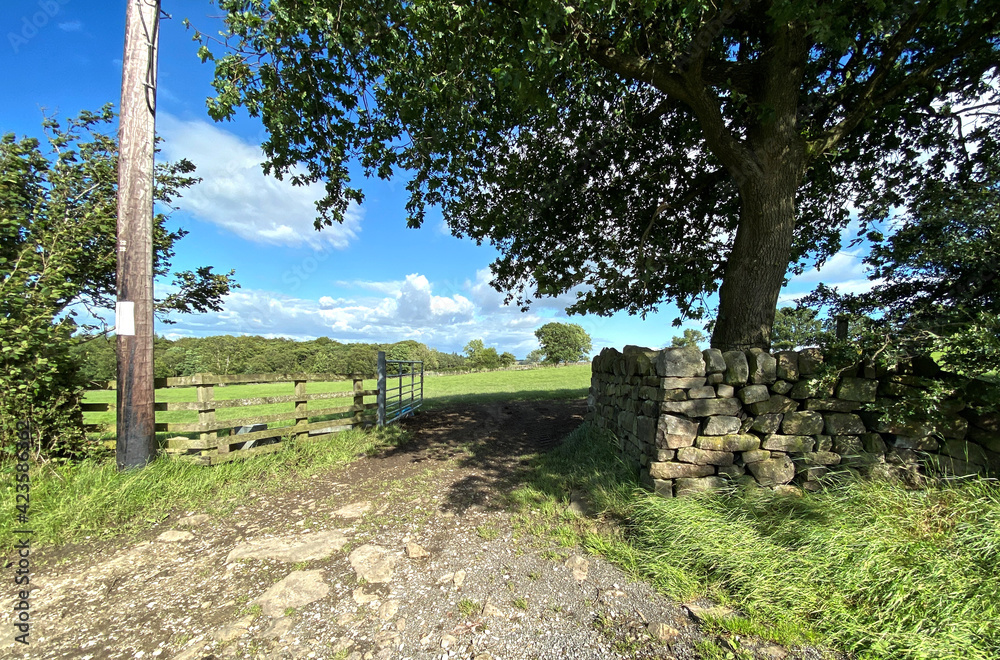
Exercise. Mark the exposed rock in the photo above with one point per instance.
(821, 458)
(174, 536)
(802, 423)
(781, 387)
(704, 392)
(832, 405)
(372, 563)
(680, 362)
(677, 470)
(231, 631)
(673, 432)
(787, 365)
(694, 486)
(720, 425)
(755, 456)
(724, 391)
(197, 520)
(773, 471)
(298, 589)
(291, 549)
(843, 424)
(714, 362)
(789, 443)
(414, 551)
(704, 614)
(767, 423)
(753, 394)
(702, 408)
(279, 628)
(788, 490)
(662, 632)
(704, 457)
(579, 566)
(762, 366)
(809, 361)
(857, 389)
(737, 369)
(388, 610)
(352, 511)
(733, 442)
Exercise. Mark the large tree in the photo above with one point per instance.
(57, 255)
(563, 342)
(636, 152)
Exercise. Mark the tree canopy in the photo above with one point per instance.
(635, 152)
(796, 327)
(57, 254)
(563, 342)
(691, 337)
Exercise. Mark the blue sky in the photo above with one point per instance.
(371, 279)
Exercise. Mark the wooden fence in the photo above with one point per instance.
(211, 447)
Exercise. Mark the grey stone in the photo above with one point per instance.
(832, 405)
(737, 369)
(646, 429)
(802, 423)
(714, 362)
(706, 392)
(672, 395)
(665, 455)
(695, 486)
(789, 443)
(925, 443)
(955, 466)
(661, 632)
(857, 389)
(731, 471)
(675, 432)
(714, 379)
(734, 442)
(787, 490)
(174, 536)
(966, 451)
(720, 425)
(298, 589)
(821, 458)
(775, 404)
(755, 456)
(680, 362)
(753, 394)
(824, 442)
(678, 470)
(663, 487)
(762, 366)
(873, 443)
(781, 387)
(787, 365)
(372, 563)
(809, 361)
(847, 445)
(579, 566)
(767, 423)
(773, 471)
(702, 407)
(954, 427)
(681, 383)
(291, 549)
(811, 388)
(843, 424)
(704, 456)
(724, 391)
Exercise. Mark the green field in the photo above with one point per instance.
(543, 383)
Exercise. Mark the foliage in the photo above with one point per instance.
(935, 301)
(535, 356)
(507, 359)
(57, 254)
(563, 342)
(480, 357)
(796, 327)
(688, 143)
(691, 337)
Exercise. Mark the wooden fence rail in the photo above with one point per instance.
(211, 447)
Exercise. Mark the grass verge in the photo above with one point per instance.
(869, 568)
(92, 500)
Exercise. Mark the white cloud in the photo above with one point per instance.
(840, 267)
(410, 310)
(235, 194)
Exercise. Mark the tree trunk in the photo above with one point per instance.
(758, 261)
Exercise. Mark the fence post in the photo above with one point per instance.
(421, 382)
(381, 389)
(206, 394)
(359, 401)
(301, 405)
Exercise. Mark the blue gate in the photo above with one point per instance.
(404, 394)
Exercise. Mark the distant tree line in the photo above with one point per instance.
(228, 354)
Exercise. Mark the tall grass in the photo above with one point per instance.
(867, 567)
(92, 500)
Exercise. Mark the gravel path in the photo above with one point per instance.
(409, 554)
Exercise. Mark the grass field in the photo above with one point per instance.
(544, 383)
(90, 499)
(865, 567)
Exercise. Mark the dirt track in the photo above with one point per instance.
(490, 587)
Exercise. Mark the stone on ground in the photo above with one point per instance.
(298, 589)
(352, 511)
(372, 563)
(579, 566)
(174, 536)
(414, 551)
(292, 549)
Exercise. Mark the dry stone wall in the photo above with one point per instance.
(694, 420)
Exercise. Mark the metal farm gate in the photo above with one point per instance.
(406, 393)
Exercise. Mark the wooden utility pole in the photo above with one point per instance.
(136, 444)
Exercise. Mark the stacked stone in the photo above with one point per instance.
(693, 420)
